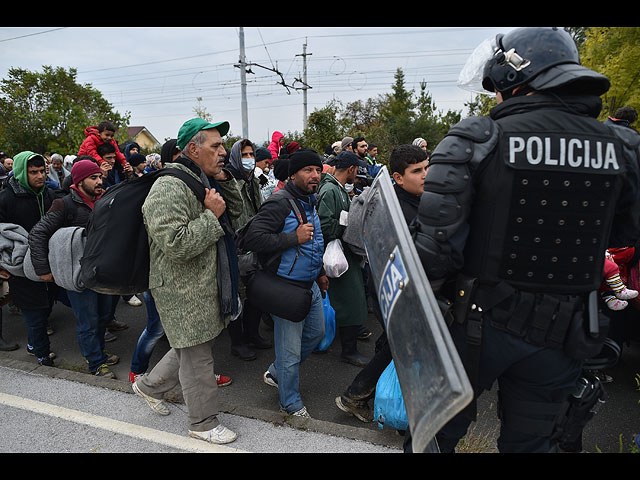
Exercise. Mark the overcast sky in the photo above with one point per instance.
(157, 74)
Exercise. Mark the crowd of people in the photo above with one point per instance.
(267, 216)
(42, 194)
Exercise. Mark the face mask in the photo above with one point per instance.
(348, 187)
(248, 164)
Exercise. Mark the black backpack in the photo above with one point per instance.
(116, 255)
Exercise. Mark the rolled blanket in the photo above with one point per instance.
(13, 248)
(66, 248)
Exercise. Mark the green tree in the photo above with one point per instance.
(579, 34)
(48, 111)
(480, 105)
(323, 128)
(389, 120)
(615, 53)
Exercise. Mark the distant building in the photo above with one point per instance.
(143, 137)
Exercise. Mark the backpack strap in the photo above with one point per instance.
(194, 184)
(298, 212)
(295, 205)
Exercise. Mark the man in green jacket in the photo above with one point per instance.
(184, 257)
(346, 293)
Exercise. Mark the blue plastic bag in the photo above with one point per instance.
(389, 409)
(329, 324)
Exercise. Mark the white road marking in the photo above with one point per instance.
(116, 426)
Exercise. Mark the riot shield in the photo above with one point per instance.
(432, 378)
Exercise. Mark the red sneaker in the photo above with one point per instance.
(223, 380)
(133, 376)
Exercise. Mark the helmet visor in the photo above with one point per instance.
(471, 75)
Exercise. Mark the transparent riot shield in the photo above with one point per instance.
(434, 384)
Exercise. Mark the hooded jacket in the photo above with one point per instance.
(93, 141)
(21, 205)
(274, 146)
(249, 187)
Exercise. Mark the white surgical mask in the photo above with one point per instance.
(248, 164)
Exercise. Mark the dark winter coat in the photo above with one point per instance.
(69, 211)
(20, 206)
(273, 232)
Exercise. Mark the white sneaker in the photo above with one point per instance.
(626, 294)
(134, 301)
(218, 435)
(300, 413)
(156, 405)
(269, 379)
(614, 304)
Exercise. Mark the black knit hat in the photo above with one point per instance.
(303, 157)
(262, 154)
(136, 159)
(281, 168)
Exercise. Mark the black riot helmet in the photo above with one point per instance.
(543, 58)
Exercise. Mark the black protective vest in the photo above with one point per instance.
(544, 203)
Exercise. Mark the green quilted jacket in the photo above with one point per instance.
(183, 238)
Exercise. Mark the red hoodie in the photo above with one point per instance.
(93, 141)
(274, 146)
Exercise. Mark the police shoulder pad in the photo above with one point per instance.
(476, 129)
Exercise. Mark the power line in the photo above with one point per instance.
(333, 35)
(33, 34)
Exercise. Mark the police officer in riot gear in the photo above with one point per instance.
(517, 211)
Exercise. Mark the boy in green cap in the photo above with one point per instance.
(24, 202)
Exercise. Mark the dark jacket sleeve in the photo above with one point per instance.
(40, 234)
(265, 231)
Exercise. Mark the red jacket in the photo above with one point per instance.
(93, 141)
(274, 146)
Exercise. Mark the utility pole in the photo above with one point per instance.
(304, 79)
(243, 87)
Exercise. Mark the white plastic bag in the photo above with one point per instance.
(335, 263)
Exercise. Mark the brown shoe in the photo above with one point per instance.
(115, 325)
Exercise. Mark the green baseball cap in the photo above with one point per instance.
(193, 126)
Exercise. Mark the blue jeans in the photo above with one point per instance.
(37, 337)
(93, 312)
(148, 338)
(294, 342)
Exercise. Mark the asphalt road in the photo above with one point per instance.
(322, 378)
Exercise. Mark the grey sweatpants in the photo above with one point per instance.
(192, 368)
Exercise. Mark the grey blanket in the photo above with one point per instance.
(66, 248)
(13, 248)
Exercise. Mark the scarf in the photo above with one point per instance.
(84, 198)
(228, 272)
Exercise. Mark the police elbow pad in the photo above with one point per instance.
(434, 256)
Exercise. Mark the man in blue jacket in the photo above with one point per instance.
(292, 249)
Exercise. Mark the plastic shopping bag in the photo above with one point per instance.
(335, 263)
(329, 324)
(389, 409)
